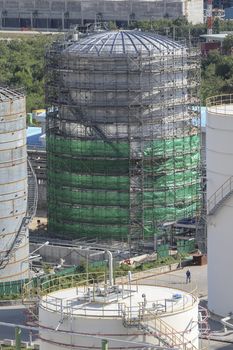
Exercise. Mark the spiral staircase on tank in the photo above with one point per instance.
(218, 198)
(32, 198)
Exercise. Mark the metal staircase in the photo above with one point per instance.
(220, 196)
(31, 210)
(203, 321)
(166, 335)
(201, 226)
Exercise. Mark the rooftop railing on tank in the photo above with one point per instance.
(213, 103)
(86, 292)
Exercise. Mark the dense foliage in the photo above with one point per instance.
(217, 75)
(22, 66)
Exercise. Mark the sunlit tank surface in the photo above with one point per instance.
(130, 316)
(13, 184)
(219, 158)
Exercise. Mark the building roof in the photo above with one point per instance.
(9, 94)
(217, 37)
(124, 42)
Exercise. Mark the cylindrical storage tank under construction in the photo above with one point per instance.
(219, 158)
(14, 250)
(123, 135)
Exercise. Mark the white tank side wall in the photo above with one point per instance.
(219, 150)
(98, 326)
(219, 155)
(188, 319)
(18, 267)
(13, 186)
(220, 260)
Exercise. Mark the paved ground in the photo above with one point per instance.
(12, 314)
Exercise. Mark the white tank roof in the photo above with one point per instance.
(124, 42)
(89, 302)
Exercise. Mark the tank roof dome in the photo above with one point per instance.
(122, 42)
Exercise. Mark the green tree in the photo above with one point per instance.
(22, 65)
(227, 44)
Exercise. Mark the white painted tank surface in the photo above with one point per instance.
(128, 316)
(13, 185)
(219, 157)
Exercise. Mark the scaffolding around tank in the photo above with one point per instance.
(123, 135)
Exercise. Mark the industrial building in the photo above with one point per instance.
(61, 14)
(17, 187)
(123, 136)
(219, 158)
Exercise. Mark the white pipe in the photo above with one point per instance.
(144, 345)
(110, 267)
(225, 323)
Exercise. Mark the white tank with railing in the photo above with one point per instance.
(79, 314)
(219, 158)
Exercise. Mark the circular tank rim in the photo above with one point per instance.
(220, 104)
(193, 300)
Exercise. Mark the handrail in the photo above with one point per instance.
(84, 281)
(218, 197)
(32, 191)
(174, 338)
(161, 330)
(219, 100)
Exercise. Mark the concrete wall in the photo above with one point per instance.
(72, 256)
(42, 194)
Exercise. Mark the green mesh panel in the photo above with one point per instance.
(89, 185)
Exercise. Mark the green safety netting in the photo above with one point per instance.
(99, 215)
(186, 246)
(88, 230)
(169, 147)
(89, 190)
(174, 164)
(111, 167)
(95, 148)
(162, 214)
(173, 180)
(163, 251)
(186, 194)
(88, 181)
(92, 197)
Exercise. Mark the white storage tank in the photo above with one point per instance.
(219, 157)
(14, 248)
(128, 316)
